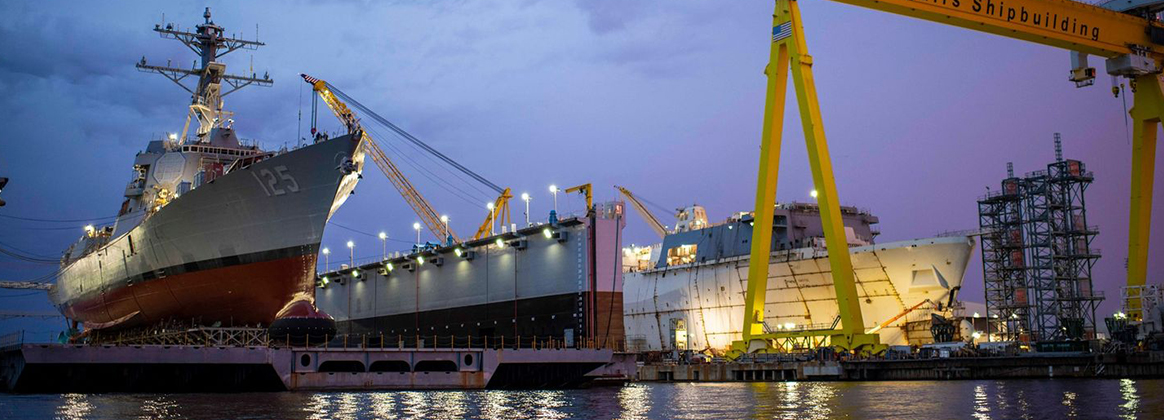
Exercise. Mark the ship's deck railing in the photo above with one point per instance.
(259, 337)
(447, 342)
(13, 339)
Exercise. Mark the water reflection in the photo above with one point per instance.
(74, 407)
(1131, 398)
(981, 405)
(496, 403)
(635, 402)
(317, 407)
(384, 405)
(804, 400)
(781, 400)
(1069, 402)
(159, 408)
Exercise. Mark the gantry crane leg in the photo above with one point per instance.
(1147, 113)
(790, 53)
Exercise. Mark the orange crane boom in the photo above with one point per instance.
(427, 214)
(652, 221)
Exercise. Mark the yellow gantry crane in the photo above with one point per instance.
(1124, 32)
(432, 221)
(499, 212)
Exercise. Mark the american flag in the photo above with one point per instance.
(782, 31)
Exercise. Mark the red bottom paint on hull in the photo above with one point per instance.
(247, 294)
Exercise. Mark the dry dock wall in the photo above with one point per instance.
(562, 281)
(56, 368)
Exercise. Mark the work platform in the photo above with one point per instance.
(61, 368)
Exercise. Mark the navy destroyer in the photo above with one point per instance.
(213, 229)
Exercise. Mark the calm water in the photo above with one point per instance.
(1037, 399)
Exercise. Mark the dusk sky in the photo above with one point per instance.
(664, 98)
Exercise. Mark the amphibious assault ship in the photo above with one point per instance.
(213, 229)
(687, 293)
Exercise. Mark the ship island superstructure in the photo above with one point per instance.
(687, 293)
(213, 229)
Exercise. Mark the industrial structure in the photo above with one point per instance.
(1132, 41)
(543, 304)
(1037, 257)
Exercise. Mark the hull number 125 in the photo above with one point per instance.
(277, 182)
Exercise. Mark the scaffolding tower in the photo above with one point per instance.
(1004, 270)
(1037, 256)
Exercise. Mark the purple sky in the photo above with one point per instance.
(662, 98)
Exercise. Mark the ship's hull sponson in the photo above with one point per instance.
(707, 299)
(233, 251)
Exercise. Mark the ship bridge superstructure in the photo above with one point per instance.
(795, 225)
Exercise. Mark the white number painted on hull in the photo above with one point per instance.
(276, 184)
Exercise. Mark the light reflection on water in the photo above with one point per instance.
(1059, 398)
(1131, 398)
(981, 403)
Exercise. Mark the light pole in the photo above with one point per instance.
(352, 251)
(554, 190)
(445, 220)
(554, 212)
(384, 240)
(525, 197)
(326, 260)
(416, 227)
(492, 217)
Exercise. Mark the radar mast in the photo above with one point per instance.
(209, 43)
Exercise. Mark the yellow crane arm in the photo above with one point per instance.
(646, 214)
(1059, 23)
(1118, 31)
(415, 200)
(500, 212)
(585, 190)
(419, 205)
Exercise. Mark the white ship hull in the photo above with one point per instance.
(707, 299)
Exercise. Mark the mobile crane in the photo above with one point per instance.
(1125, 32)
(332, 98)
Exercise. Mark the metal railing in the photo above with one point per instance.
(448, 342)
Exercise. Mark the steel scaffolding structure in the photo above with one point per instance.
(1037, 256)
(1003, 261)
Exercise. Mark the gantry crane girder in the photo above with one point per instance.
(1066, 24)
(423, 209)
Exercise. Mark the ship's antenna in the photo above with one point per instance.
(1010, 169)
(210, 44)
(1058, 148)
(299, 135)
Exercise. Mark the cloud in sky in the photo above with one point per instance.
(665, 98)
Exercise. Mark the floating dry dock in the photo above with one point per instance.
(57, 368)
